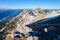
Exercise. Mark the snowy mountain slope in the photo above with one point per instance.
(52, 14)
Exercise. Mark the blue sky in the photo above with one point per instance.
(21, 4)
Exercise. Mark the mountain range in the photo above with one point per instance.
(35, 16)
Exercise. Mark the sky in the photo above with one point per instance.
(30, 4)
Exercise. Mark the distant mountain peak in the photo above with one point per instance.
(38, 10)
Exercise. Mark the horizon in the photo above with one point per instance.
(30, 4)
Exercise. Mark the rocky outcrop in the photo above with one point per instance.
(29, 16)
